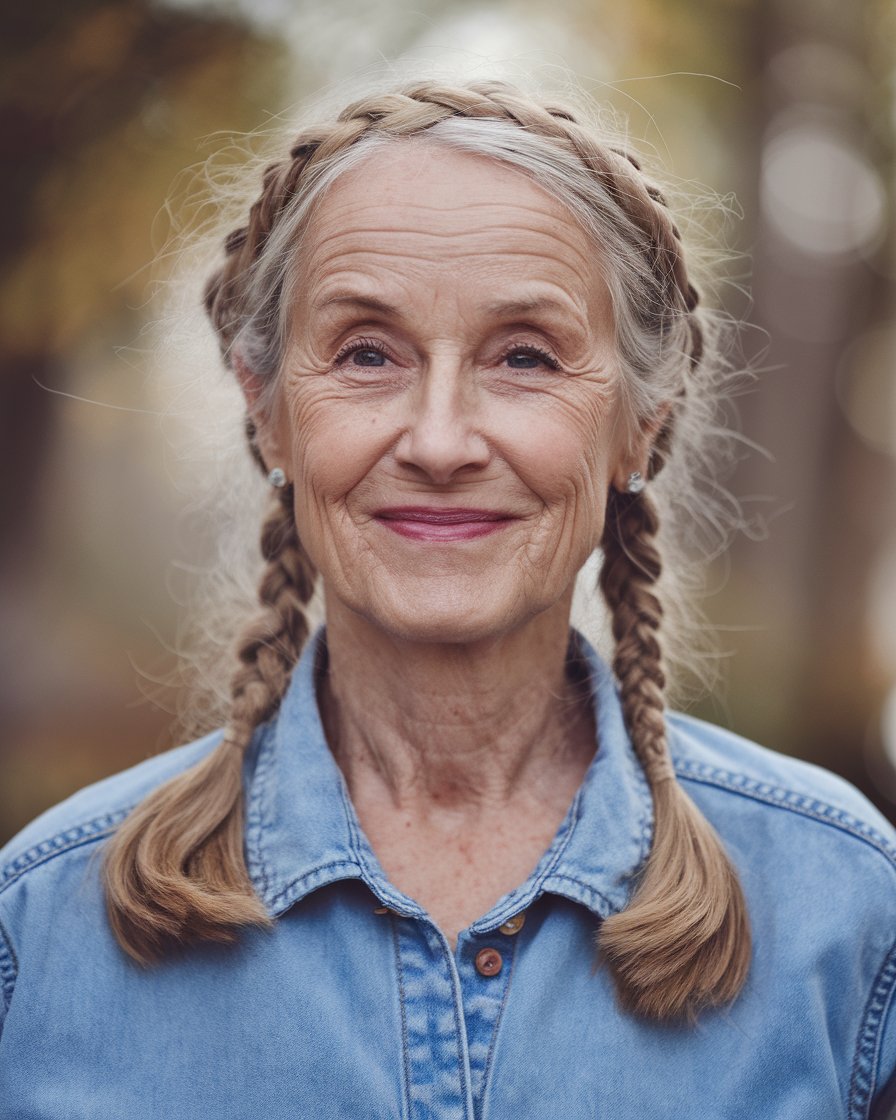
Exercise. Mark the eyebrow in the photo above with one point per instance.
(368, 303)
(516, 307)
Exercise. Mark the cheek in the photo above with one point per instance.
(564, 449)
(333, 443)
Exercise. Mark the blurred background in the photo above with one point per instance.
(788, 105)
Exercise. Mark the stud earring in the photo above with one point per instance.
(277, 477)
(635, 483)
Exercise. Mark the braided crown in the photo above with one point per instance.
(176, 871)
(411, 111)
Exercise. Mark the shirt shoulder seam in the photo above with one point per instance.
(787, 800)
(65, 841)
(9, 966)
(864, 1067)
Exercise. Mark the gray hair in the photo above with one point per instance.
(653, 347)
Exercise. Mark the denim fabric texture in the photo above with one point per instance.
(353, 1004)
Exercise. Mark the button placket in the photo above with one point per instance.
(486, 973)
(435, 1041)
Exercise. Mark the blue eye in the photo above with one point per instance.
(522, 360)
(529, 357)
(368, 357)
(362, 352)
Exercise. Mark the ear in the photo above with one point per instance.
(637, 454)
(260, 409)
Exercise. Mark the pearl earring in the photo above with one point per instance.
(635, 483)
(277, 478)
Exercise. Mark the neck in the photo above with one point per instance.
(454, 726)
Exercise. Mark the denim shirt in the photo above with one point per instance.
(354, 1004)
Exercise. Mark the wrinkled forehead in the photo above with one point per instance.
(434, 179)
(413, 211)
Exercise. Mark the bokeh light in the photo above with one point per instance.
(785, 109)
(819, 191)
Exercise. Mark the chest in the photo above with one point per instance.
(341, 1011)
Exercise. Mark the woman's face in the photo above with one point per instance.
(448, 407)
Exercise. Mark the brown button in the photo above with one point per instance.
(513, 925)
(488, 962)
(381, 909)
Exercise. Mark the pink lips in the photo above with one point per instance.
(427, 523)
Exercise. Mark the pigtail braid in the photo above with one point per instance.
(175, 871)
(683, 942)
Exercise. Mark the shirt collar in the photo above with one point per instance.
(302, 831)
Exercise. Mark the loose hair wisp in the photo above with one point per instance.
(175, 870)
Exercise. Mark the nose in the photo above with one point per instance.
(443, 436)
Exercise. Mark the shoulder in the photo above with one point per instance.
(772, 809)
(93, 813)
(712, 757)
(818, 865)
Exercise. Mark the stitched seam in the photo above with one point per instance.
(787, 800)
(526, 893)
(583, 886)
(864, 1068)
(354, 839)
(354, 842)
(297, 884)
(9, 966)
(493, 1041)
(380, 887)
(256, 822)
(459, 1025)
(63, 842)
(405, 1056)
(647, 820)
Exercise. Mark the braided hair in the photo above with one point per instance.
(175, 870)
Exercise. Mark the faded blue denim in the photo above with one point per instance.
(345, 1011)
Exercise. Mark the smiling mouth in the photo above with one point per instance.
(425, 523)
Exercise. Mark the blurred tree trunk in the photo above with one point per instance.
(834, 494)
(83, 89)
(101, 105)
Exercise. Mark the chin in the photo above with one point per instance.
(448, 616)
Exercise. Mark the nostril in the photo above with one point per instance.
(441, 447)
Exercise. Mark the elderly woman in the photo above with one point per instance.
(467, 340)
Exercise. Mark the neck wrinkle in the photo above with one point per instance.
(457, 729)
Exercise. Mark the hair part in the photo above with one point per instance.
(175, 870)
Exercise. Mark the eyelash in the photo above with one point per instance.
(374, 344)
(533, 352)
(360, 344)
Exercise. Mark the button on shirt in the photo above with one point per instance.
(354, 1004)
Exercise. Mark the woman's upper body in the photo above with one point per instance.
(354, 1004)
(467, 341)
